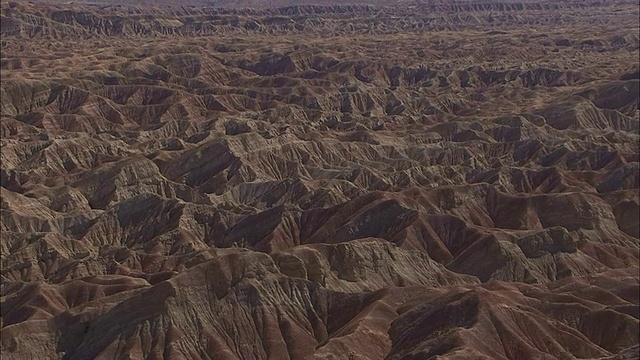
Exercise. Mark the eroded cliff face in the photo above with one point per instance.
(320, 182)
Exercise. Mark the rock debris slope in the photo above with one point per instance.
(441, 179)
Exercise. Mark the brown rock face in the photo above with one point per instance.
(276, 180)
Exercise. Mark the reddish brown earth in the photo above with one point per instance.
(439, 180)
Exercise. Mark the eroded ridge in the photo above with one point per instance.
(367, 181)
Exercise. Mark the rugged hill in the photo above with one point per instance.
(320, 181)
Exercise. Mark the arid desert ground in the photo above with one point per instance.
(317, 180)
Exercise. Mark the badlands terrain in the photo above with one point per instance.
(451, 180)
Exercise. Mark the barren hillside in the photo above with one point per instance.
(251, 180)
